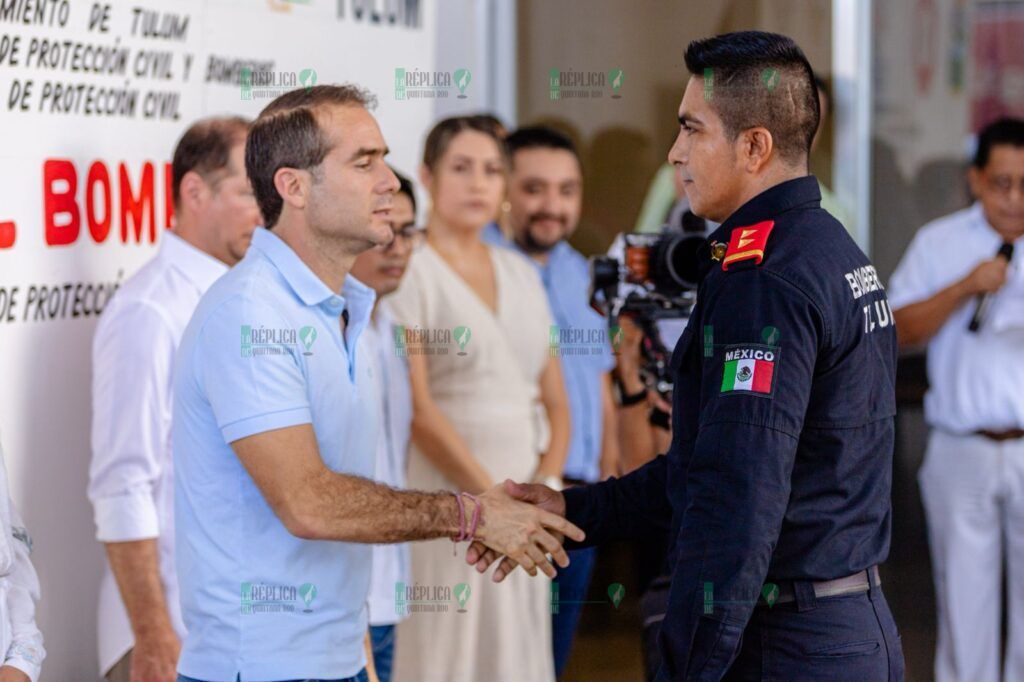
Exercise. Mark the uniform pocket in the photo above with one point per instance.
(847, 650)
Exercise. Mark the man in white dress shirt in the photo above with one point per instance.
(972, 480)
(21, 642)
(131, 476)
(381, 268)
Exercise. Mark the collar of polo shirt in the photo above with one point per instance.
(311, 290)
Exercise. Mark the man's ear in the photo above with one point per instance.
(755, 148)
(192, 190)
(975, 180)
(293, 186)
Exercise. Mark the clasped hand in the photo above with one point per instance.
(522, 524)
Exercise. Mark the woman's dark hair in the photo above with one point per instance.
(442, 134)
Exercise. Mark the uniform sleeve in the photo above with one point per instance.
(26, 652)
(914, 279)
(255, 388)
(633, 506)
(754, 391)
(133, 351)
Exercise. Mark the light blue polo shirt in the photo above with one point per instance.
(264, 351)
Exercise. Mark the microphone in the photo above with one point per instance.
(985, 300)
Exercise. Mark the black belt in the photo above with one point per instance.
(851, 584)
(1000, 436)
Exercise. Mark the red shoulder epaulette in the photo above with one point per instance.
(748, 242)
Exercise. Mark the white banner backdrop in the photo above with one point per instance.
(95, 94)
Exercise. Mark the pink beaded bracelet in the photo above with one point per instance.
(477, 514)
(465, 534)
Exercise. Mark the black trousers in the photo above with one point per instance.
(850, 637)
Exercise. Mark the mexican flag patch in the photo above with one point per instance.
(750, 369)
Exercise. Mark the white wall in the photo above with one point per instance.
(45, 364)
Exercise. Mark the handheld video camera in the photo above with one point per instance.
(655, 280)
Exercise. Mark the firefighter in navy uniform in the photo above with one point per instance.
(776, 488)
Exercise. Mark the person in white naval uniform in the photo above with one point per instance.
(972, 480)
(131, 475)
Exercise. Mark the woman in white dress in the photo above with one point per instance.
(485, 390)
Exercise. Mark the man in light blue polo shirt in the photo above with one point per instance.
(545, 192)
(276, 420)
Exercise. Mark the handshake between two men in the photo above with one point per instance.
(526, 524)
(551, 503)
(523, 523)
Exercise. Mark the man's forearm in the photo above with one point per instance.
(918, 322)
(354, 509)
(136, 568)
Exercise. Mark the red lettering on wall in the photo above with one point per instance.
(98, 174)
(60, 202)
(138, 207)
(135, 202)
(168, 196)
(7, 234)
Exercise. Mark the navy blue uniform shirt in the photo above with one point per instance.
(782, 431)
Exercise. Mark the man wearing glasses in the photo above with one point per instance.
(972, 480)
(381, 268)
